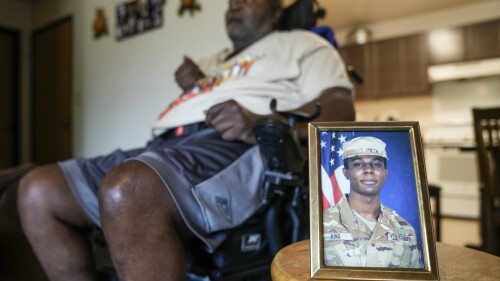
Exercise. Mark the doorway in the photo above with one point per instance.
(9, 97)
(51, 99)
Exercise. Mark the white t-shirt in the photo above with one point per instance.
(293, 67)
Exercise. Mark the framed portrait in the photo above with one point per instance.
(369, 202)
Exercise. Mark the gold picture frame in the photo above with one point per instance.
(405, 156)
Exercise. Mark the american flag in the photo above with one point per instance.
(333, 183)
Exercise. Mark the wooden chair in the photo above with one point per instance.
(487, 133)
(435, 194)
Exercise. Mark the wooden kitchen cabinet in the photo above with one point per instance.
(385, 67)
(399, 66)
(482, 40)
(390, 68)
(358, 57)
(414, 61)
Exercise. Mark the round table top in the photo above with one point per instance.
(454, 262)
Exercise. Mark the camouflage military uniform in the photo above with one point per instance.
(349, 242)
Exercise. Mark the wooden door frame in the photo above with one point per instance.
(35, 33)
(16, 33)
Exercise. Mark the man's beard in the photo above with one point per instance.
(236, 31)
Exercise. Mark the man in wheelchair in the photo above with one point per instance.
(203, 174)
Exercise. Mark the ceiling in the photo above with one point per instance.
(345, 13)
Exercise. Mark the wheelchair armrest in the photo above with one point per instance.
(280, 146)
(278, 141)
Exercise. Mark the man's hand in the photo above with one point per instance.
(232, 121)
(187, 74)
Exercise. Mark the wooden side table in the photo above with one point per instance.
(455, 263)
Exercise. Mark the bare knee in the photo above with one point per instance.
(139, 221)
(132, 190)
(129, 186)
(36, 188)
(44, 193)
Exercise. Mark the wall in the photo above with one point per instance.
(127, 83)
(119, 87)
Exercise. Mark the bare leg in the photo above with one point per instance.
(141, 224)
(17, 260)
(54, 223)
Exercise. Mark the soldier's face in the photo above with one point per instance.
(367, 174)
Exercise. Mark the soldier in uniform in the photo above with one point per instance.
(360, 230)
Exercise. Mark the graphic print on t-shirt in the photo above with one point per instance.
(230, 70)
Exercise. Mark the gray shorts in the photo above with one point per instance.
(215, 184)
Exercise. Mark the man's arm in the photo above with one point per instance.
(234, 122)
(336, 105)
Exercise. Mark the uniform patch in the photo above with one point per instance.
(383, 249)
(337, 236)
(400, 237)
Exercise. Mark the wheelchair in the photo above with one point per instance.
(248, 250)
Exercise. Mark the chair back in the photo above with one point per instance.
(487, 134)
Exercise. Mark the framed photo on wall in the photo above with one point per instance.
(369, 202)
(138, 16)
